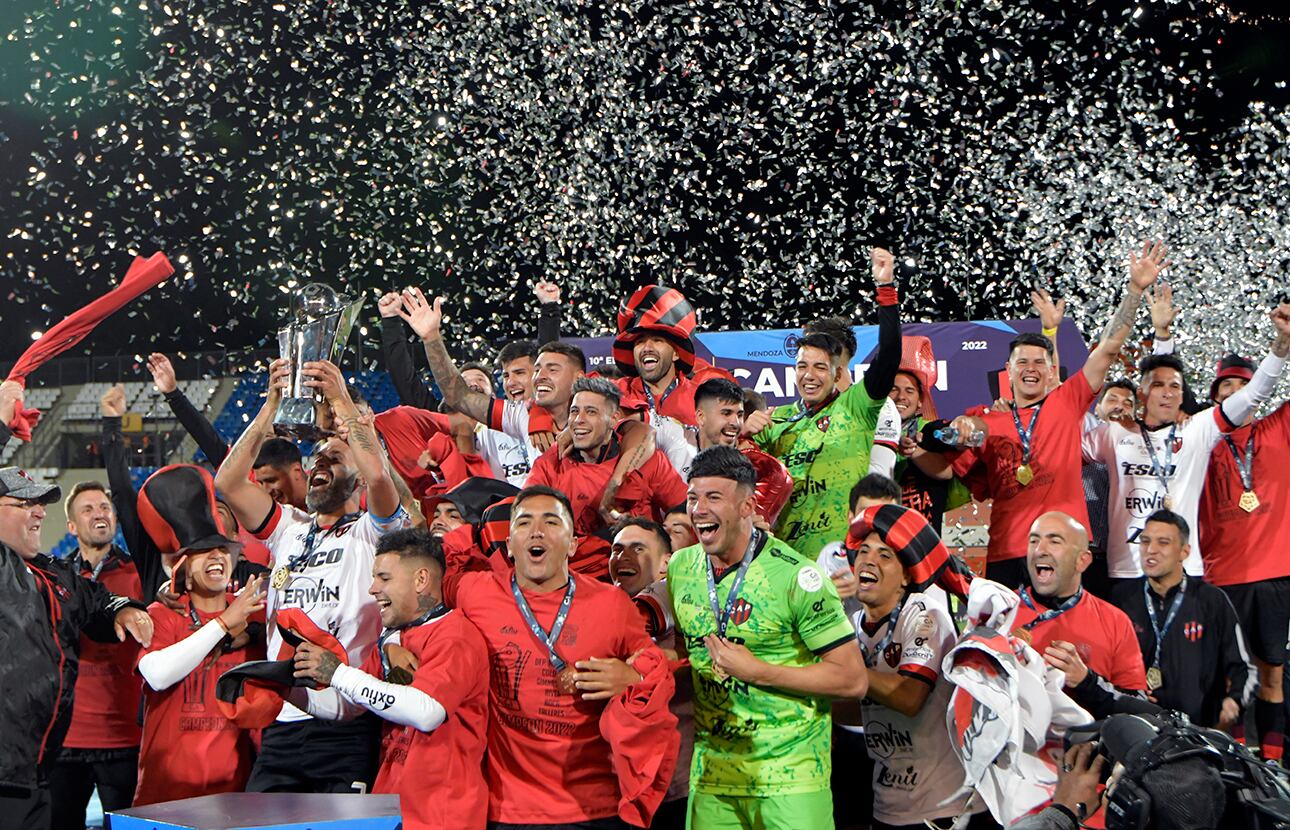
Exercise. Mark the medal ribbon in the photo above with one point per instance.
(1025, 434)
(723, 615)
(1160, 471)
(438, 611)
(543, 637)
(312, 540)
(803, 410)
(1050, 613)
(662, 399)
(1169, 618)
(871, 657)
(1244, 466)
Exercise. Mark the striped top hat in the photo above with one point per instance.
(917, 546)
(656, 310)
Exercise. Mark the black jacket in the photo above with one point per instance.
(45, 606)
(1204, 659)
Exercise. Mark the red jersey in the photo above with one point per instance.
(547, 760)
(189, 747)
(1239, 547)
(1103, 635)
(446, 789)
(105, 707)
(677, 401)
(650, 491)
(1056, 458)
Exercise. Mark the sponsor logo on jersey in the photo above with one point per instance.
(378, 699)
(741, 611)
(318, 560)
(1194, 631)
(307, 594)
(883, 741)
(1143, 502)
(800, 459)
(801, 527)
(1129, 468)
(809, 579)
(904, 780)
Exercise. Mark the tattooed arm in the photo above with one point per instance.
(369, 457)
(251, 503)
(425, 319)
(1144, 268)
(636, 446)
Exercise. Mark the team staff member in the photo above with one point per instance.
(45, 606)
(826, 438)
(321, 565)
(102, 744)
(563, 699)
(768, 644)
(1243, 509)
(427, 677)
(1090, 640)
(1030, 462)
(1194, 649)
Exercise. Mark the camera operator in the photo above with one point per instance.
(1076, 796)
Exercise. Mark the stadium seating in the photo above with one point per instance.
(42, 398)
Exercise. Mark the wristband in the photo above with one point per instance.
(1050, 333)
(223, 625)
(887, 294)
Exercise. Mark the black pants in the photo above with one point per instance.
(77, 772)
(980, 821)
(24, 809)
(670, 815)
(315, 756)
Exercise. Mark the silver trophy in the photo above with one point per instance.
(317, 330)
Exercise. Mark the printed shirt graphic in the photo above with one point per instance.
(826, 452)
(1136, 493)
(189, 747)
(331, 585)
(916, 776)
(749, 740)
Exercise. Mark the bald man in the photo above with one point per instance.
(1089, 640)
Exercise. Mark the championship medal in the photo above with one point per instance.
(280, 577)
(1168, 502)
(1154, 678)
(567, 681)
(1249, 501)
(719, 673)
(1025, 475)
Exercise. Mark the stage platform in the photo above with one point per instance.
(265, 811)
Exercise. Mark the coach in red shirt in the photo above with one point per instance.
(571, 743)
(589, 471)
(1088, 639)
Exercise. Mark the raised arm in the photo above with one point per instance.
(548, 327)
(881, 373)
(425, 320)
(1050, 313)
(250, 502)
(195, 423)
(1144, 268)
(398, 356)
(1247, 399)
(369, 456)
(1160, 301)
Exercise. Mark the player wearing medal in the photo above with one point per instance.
(1030, 462)
(574, 681)
(1243, 509)
(768, 644)
(427, 678)
(322, 565)
(825, 439)
(1090, 640)
(1156, 463)
(1197, 662)
(905, 634)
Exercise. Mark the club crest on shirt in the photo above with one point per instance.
(892, 654)
(1177, 443)
(822, 423)
(741, 611)
(1194, 631)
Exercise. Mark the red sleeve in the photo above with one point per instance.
(452, 668)
(634, 636)
(1076, 393)
(496, 413)
(270, 524)
(666, 488)
(372, 665)
(461, 557)
(543, 471)
(1277, 423)
(1129, 670)
(540, 420)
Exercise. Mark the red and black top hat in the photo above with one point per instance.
(177, 508)
(656, 310)
(493, 530)
(917, 546)
(1231, 366)
(919, 362)
(471, 497)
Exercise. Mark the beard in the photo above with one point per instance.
(333, 496)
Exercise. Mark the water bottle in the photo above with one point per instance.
(951, 436)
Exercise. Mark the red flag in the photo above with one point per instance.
(144, 274)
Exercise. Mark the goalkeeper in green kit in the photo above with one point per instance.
(825, 438)
(769, 645)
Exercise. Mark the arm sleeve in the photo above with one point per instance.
(402, 368)
(827, 628)
(881, 373)
(101, 607)
(541, 473)
(886, 440)
(404, 705)
(1232, 412)
(1100, 698)
(926, 635)
(165, 667)
(666, 490)
(197, 425)
(324, 704)
(548, 327)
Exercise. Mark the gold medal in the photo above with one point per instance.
(1168, 502)
(280, 577)
(719, 673)
(1249, 501)
(566, 681)
(1025, 475)
(1154, 679)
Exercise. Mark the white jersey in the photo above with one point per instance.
(677, 441)
(330, 584)
(916, 775)
(1136, 491)
(510, 458)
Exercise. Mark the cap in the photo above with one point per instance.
(659, 311)
(18, 484)
(1231, 366)
(917, 546)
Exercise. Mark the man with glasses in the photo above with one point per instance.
(45, 606)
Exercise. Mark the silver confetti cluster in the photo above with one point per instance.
(748, 153)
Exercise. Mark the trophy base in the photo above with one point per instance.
(297, 418)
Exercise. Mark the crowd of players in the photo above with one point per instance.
(637, 596)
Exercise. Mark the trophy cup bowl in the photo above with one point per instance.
(317, 330)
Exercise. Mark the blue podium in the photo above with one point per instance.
(265, 811)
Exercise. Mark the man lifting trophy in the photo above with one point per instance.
(317, 331)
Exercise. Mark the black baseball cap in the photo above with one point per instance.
(16, 483)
